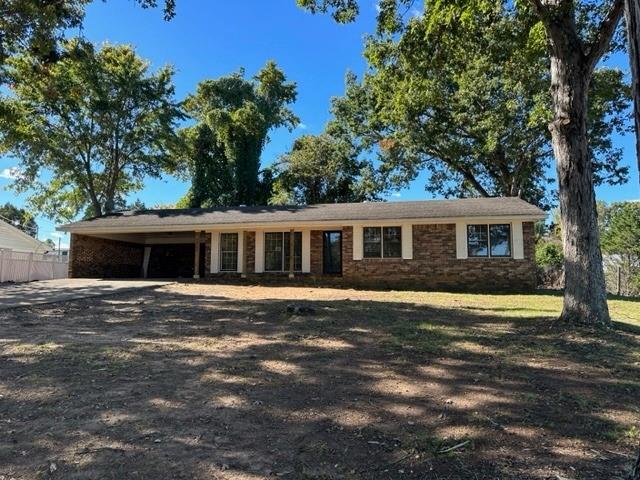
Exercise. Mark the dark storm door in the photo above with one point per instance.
(332, 252)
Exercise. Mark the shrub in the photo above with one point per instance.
(548, 255)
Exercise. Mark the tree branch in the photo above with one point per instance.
(596, 49)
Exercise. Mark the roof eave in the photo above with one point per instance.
(89, 229)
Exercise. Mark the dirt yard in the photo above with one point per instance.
(192, 381)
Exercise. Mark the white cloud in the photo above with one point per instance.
(10, 173)
(302, 126)
(378, 8)
(396, 194)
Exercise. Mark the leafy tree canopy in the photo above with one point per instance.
(472, 107)
(235, 116)
(36, 26)
(19, 218)
(620, 228)
(89, 128)
(323, 169)
(620, 239)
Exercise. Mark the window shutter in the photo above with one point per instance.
(518, 240)
(407, 241)
(357, 242)
(306, 251)
(461, 240)
(215, 252)
(259, 261)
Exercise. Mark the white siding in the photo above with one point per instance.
(13, 239)
(518, 240)
(259, 261)
(407, 241)
(215, 252)
(306, 251)
(357, 242)
(461, 240)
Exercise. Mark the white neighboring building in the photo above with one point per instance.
(23, 259)
(12, 238)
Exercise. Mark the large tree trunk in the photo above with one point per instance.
(585, 299)
(632, 19)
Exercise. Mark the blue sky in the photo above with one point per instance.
(208, 39)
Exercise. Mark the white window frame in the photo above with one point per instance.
(285, 268)
(238, 252)
(489, 255)
(382, 227)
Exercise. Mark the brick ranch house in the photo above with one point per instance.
(468, 244)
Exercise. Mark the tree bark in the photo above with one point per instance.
(585, 299)
(632, 19)
(635, 470)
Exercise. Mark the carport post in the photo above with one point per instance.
(196, 257)
(291, 253)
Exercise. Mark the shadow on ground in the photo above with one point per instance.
(158, 384)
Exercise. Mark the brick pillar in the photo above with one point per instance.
(243, 272)
(292, 262)
(196, 261)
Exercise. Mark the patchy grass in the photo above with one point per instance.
(199, 381)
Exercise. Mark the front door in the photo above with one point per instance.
(332, 252)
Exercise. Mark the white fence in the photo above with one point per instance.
(26, 267)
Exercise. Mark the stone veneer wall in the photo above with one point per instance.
(93, 257)
(435, 266)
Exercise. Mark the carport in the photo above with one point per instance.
(137, 255)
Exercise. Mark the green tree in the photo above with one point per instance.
(620, 236)
(19, 218)
(212, 181)
(577, 35)
(35, 27)
(239, 114)
(322, 169)
(88, 128)
(473, 111)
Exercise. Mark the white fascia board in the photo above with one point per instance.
(285, 226)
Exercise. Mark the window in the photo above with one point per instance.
(392, 242)
(228, 252)
(500, 240)
(477, 241)
(276, 251)
(382, 242)
(372, 242)
(489, 240)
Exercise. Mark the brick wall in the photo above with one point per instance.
(316, 252)
(207, 253)
(250, 246)
(92, 257)
(435, 266)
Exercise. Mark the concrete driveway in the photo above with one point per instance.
(51, 291)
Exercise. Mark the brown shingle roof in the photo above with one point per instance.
(336, 212)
